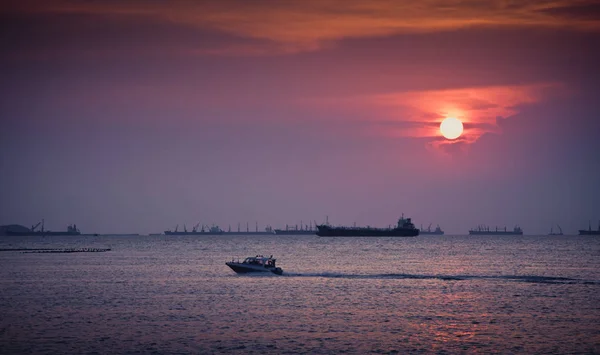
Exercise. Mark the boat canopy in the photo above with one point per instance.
(261, 260)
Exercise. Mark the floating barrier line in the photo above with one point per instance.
(58, 250)
(24, 249)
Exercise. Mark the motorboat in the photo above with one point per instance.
(257, 263)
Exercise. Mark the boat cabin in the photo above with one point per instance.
(260, 260)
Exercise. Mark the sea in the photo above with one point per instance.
(425, 295)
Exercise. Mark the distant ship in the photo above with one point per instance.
(405, 228)
(208, 231)
(304, 230)
(437, 231)
(71, 230)
(552, 231)
(589, 231)
(216, 230)
(484, 230)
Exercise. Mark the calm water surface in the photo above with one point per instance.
(430, 294)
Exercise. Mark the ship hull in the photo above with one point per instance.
(294, 232)
(218, 233)
(325, 231)
(13, 233)
(242, 268)
(494, 233)
(588, 232)
(192, 233)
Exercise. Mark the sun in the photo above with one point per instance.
(451, 128)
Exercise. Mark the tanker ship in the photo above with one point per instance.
(404, 228)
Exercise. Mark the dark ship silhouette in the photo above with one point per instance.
(485, 230)
(428, 231)
(405, 228)
(71, 230)
(303, 230)
(552, 231)
(216, 230)
(590, 231)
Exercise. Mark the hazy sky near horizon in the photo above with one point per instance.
(136, 116)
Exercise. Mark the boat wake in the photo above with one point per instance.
(401, 276)
(372, 276)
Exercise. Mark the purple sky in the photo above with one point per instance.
(123, 116)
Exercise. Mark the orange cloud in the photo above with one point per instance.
(306, 25)
(477, 107)
(418, 114)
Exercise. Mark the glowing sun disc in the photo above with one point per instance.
(451, 128)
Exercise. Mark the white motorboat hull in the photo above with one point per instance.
(242, 268)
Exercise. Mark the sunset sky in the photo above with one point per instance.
(134, 116)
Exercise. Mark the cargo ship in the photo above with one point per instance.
(405, 228)
(216, 230)
(428, 231)
(590, 231)
(208, 231)
(485, 230)
(303, 230)
(71, 230)
(552, 232)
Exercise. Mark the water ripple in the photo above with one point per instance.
(442, 295)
